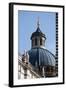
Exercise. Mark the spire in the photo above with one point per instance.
(38, 28)
(38, 22)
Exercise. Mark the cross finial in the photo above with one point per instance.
(38, 22)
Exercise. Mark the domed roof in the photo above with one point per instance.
(38, 33)
(42, 57)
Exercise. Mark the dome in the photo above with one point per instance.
(41, 56)
(38, 33)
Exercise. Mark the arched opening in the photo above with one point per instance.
(40, 41)
(35, 41)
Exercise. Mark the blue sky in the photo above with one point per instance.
(27, 24)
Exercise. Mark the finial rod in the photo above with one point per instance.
(38, 22)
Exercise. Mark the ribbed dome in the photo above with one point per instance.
(38, 33)
(41, 57)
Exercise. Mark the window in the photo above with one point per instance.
(35, 41)
(40, 41)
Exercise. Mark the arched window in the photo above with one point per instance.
(35, 41)
(40, 41)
